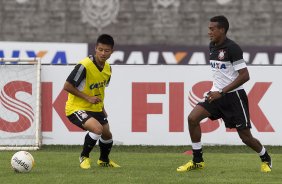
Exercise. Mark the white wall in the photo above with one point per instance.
(169, 83)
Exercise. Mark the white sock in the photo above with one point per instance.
(94, 136)
(196, 145)
(262, 152)
(106, 141)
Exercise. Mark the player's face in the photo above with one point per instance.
(103, 52)
(215, 33)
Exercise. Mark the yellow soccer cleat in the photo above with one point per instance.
(266, 167)
(191, 166)
(84, 162)
(107, 164)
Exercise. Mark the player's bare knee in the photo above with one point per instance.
(98, 129)
(192, 121)
(106, 135)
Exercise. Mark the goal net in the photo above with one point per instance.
(20, 104)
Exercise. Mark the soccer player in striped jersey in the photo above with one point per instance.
(85, 105)
(227, 98)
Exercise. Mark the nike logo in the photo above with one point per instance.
(238, 125)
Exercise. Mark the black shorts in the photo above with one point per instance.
(233, 108)
(80, 117)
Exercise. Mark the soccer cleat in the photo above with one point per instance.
(191, 166)
(266, 166)
(84, 162)
(107, 164)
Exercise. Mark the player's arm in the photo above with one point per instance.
(76, 77)
(240, 80)
(239, 64)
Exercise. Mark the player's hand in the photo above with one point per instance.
(213, 95)
(94, 99)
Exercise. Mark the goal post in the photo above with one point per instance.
(20, 104)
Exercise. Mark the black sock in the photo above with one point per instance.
(198, 155)
(265, 157)
(105, 149)
(89, 143)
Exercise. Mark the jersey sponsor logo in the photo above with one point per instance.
(98, 85)
(217, 65)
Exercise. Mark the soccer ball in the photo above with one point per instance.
(22, 162)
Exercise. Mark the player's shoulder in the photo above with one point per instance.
(231, 44)
(86, 59)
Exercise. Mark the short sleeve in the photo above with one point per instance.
(77, 75)
(236, 57)
(236, 53)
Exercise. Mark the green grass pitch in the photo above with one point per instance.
(144, 164)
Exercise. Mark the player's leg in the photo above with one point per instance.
(244, 131)
(85, 121)
(247, 138)
(105, 144)
(95, 130)
(194, 119)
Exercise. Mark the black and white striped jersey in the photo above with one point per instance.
(225, 60)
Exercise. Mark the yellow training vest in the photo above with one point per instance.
(95, 84)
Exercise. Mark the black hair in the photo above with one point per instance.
(106, 39)
(222, 22)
